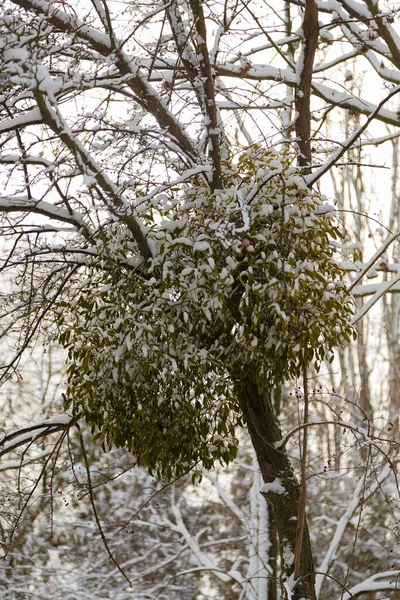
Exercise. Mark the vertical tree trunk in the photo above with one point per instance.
(303, 89)
(276, 468)
(391, 305)
(273, 556)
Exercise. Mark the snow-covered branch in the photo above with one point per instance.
(26, 436)
(380, 582)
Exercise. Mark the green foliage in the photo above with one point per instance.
(242, 286)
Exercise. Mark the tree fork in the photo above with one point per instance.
(274, 462)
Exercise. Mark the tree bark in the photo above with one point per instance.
(273, 556)
(274, 463)
(303, 90)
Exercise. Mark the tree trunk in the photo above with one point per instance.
(273, 556)
(275, 464)
(303, 90)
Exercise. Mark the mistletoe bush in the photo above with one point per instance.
(242, 286)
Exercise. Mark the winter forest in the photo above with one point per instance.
(199, 299)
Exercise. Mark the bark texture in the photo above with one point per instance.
(274, 464)
(303, 91)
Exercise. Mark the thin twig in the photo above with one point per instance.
(312, 179)
(96, 516)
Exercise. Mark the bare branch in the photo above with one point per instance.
(303, 90)
(207, 75)
(312, 179)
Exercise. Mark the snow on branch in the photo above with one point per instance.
(27, 435)
(16, 159)
(207, 76)
(22, 204)
(385, 581)
(89, 167)
(312, 179)
(127, 66)
(331, 96)
(17, 464)
(374, 258)
(372, 288)
(383, 288)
